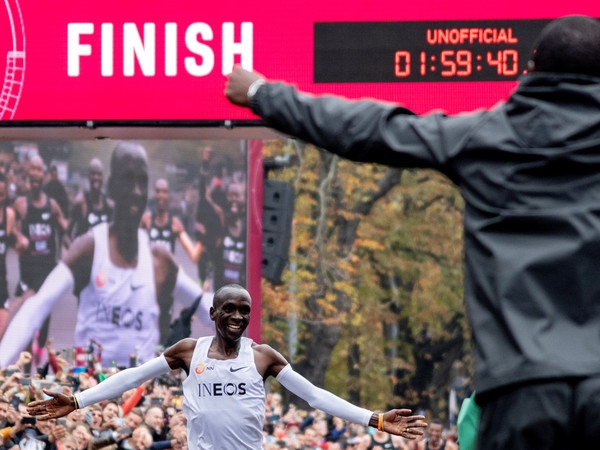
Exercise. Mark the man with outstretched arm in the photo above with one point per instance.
(224, 394)
(40, 219)
(164, 228)
(528, 171)
(92, 206)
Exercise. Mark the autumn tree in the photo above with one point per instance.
(376, 268)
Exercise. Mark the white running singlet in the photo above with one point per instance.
(118, 307)
(224, 400)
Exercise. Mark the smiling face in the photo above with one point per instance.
(36, 173)
(154, 418)
(133, 420)
(3, 409)
(231, 312)
(435, 433)
(95, 175)
(46, 426)
(83, 435)
(161, 194)
(236, 204)
(96, 418)
(110, 411)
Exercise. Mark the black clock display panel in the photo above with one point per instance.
(428, 51)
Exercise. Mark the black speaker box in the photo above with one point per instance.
(278, 212)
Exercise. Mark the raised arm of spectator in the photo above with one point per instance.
(52, 356)
(172, 278)
(194, 250)
(62, 221)
(135, 398)
(21, 242)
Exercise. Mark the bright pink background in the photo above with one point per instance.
(283, 49)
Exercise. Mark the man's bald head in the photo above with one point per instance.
(36, 160)
(128, 182)
(124, 150)
(96, 175)
(228, 291)
(36, 173)
(161, 194)
(161, 184)
(568, 45)
(96, 164)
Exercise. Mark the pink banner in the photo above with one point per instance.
(165, 60)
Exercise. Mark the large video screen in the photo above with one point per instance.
(125, 299)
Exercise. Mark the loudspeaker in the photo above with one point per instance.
(272, 267)
(278, 212)
(275, 243)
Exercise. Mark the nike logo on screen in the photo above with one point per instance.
(231, 369)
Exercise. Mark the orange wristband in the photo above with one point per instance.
(380, 423)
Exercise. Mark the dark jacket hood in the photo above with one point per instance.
(554, 109)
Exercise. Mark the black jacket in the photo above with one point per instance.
(529, 171)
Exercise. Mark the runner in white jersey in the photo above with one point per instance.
(224, 398)
(163, 227)
(114, 307)
(98, 265)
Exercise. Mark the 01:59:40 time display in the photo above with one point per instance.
(457, 63)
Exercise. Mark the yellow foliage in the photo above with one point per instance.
(407, 254)
(369, 244)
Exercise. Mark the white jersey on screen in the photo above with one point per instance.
(118, 307)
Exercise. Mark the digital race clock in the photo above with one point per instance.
(168, 61)
(428, 51)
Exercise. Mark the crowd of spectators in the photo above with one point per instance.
(148, 417)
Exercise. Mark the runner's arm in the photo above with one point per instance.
(33, 313)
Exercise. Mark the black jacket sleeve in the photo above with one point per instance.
(361, 130)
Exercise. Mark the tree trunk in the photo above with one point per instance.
(321, 336)
(320, 345)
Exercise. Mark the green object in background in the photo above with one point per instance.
(102, 377)
(468, 423)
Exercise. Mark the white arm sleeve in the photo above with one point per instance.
(321, 399)
(186, 290)
(122, 381)
(33, 313)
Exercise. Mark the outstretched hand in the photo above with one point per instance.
(58, 406)
(398, 421)
(238, 82)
